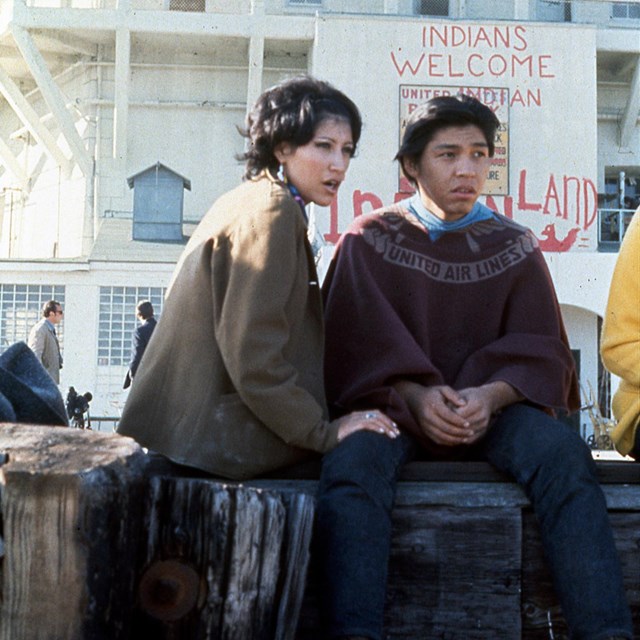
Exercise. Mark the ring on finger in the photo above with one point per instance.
(369, 415)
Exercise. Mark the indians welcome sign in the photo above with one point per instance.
(539, 79)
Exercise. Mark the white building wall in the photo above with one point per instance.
(582, 327)
(45, 217)
(187, 94)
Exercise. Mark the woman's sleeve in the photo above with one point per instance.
(620, 346)
(257, 281)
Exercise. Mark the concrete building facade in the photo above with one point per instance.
(94, 92)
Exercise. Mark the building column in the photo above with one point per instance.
(521, 9)
(632, 109)
(121, 100)
(256, 55)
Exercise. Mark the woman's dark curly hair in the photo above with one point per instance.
(291, 112)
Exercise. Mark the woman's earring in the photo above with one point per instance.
(281, 175)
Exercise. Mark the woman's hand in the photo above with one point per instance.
(372, 420)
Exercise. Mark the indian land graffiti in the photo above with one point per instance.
(571, 200)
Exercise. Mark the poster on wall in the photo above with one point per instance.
(540, 79)
(497, 98)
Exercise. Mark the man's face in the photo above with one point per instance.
(452, 171)
(55, 317)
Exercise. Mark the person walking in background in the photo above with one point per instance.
(43, 340)
(620, 344)
(232, 380)
(141, 337)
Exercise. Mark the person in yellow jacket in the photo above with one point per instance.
(620, 344)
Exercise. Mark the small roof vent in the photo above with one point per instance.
(158, 198)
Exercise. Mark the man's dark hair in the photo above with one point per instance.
(291, 112)
(51, 306)
(438, 113)
(144, 309)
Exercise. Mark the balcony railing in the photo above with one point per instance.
(612, 225)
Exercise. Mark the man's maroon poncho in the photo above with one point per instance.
(475, 306)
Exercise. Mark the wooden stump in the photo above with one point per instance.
(222, 561)
(68, 568)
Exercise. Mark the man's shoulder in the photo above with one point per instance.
(391, 216)
(147, 327)
(40, 325)
(509, 230)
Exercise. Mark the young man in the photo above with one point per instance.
(44, 342)
(140, 339)
(442, 314)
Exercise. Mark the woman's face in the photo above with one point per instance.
(317, 169)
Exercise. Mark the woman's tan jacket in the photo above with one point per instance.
(232, 380)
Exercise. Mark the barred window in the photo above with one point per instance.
(117, 320)
(432, 7)
(629, 10)
(21, 307)
(187, 5)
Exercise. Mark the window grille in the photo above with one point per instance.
(625, 10)
(117, 320)
(21, 307)
(554, 10)
(432, 7)
(187, 5)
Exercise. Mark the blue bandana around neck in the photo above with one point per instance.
(436, 226)
(298, 198)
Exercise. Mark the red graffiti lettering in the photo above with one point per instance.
(584, 204)
(334, 235)
(360, 198)
(523, 205)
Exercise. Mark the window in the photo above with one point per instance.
(117, 320)
(432, 7)
(307, 3)
(554, 10)
(187, 5)
(626, 10)
(21, 308)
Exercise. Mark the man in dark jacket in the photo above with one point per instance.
(141, 337)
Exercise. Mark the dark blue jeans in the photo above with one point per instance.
(551, 463)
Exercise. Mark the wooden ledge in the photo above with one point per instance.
(609, 472)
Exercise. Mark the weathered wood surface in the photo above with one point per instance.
(466, 558)
(97, 547)
(100, 543)
(68, 567)
(541, 615)
(221, 561)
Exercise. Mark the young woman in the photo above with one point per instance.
(231, 381)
